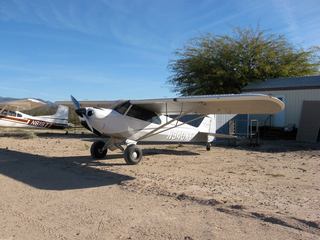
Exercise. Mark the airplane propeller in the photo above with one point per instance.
(81, 112)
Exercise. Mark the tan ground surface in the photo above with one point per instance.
(51, 189)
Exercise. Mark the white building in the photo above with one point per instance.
(298, 94)
(293, 92)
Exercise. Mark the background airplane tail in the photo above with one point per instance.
(62, 113)
(59, 120)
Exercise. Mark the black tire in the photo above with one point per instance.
(132, 155)
(208, 146)
(97, 151)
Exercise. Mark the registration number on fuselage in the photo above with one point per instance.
(38, 123)
(179, 136)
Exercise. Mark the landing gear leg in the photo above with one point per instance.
(132, 154)
(98, 150)
(208, 146)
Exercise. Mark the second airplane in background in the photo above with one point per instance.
(11, 117)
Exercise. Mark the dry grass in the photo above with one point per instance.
(17, 133)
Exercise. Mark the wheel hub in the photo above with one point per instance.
(134, 155)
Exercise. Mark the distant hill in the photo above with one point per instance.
(5, 99)
(48, 109)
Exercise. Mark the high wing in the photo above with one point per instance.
(96, 104)
(208, 104)
(214, 104)
(22, 104)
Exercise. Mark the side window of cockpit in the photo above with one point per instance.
(122, 108)
(19, 115)
(143, 114)
(11, 113)
(156, 119)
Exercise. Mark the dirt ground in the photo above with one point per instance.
(51, 189)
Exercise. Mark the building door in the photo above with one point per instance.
(309, 127)
(278, 119)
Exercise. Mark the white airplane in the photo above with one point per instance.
(14, 118)
(129, 122)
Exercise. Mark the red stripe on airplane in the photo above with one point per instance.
(30, 122)
(14, 119)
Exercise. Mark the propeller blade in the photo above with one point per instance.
(81, 112)
(75, 103)
(88, 123)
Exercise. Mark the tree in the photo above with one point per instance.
(213, 64)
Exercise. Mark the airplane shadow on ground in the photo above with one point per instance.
(57, 173)
(149, 152)
(276, 146)
(156, 151)
(63, 173)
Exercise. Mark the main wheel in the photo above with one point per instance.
(132, 155)
(97, 150)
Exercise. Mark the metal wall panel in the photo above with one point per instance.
(293, 101)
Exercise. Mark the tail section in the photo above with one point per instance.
(62, 113)
(208, 124)
(59, 119)
(208, 127)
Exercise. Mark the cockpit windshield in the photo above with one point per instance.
(123, 107)
(137, 112)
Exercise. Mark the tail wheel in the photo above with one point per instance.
(132, 155)
(208, 146)
(97, 150)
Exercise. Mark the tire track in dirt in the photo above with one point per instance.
(26, 221)
(138, 187)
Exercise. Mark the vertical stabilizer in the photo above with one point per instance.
(59, 120)
(208, 124)
(62, 113)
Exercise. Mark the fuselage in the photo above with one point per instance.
(110, 123)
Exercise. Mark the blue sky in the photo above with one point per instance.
(120, 49)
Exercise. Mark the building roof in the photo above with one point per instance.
(289, 83)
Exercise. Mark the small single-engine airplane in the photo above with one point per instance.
(11, 117)
(129, 122)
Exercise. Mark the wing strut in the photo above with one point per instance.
(156, 129)
(2, 109)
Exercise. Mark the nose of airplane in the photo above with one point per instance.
(89, 112)
(81, 112)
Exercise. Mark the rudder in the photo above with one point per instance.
(62, 113)
(208, 124)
